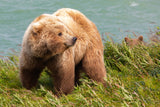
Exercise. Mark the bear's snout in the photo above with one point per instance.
(74, 40)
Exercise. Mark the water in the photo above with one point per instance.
(114, 16)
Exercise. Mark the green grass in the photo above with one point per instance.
(133, 79)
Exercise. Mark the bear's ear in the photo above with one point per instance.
(126, 39)
(140, 38)
(36, 28)
(41, 17)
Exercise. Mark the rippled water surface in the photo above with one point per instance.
(114, 16)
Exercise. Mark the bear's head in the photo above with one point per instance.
(48, 36)
(134, 42)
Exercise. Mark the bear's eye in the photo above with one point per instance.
(60, 34)
(34, 34)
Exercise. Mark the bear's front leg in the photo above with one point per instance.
(63, 76)
(64, 80)
(29, 77)
(29, 72)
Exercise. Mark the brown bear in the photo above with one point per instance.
(65, 42)
(134, 42)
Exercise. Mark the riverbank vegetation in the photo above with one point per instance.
(133, 79)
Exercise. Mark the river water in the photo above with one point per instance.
(114, 16)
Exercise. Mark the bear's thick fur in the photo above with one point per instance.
(134, 42)
(65, 42)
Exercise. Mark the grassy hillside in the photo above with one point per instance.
(133, 79)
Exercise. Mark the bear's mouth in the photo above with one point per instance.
(47, 52)
(69, 45)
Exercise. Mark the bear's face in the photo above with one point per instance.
(134, 42)
(49, 37)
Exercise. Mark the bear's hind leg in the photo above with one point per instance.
(93, 65)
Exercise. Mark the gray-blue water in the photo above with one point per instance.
(114, 16)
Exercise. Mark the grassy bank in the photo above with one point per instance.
(133, 79)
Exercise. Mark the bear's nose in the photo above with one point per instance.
(74, 39)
